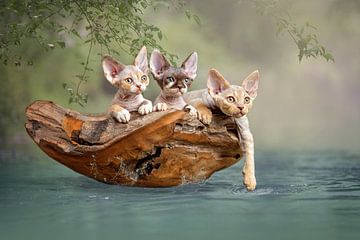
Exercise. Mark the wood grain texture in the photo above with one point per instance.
(161, 149)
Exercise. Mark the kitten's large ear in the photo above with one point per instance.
(190, 65)
(141, 60)
(158, 64)
(111, 68)
(251, 83)
(216, 82)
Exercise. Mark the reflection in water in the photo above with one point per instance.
(299, 196)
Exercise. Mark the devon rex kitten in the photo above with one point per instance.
(173, 81)
(232, 100)
(131, 80)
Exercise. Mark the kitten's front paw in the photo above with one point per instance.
(191, 110)
(160, 107)
(145, 109)
(249, 181)
(204, 116)
(123, 116)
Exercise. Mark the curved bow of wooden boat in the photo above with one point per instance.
(157, 150)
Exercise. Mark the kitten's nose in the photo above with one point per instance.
(181, 85)
(241, 108)
(138, 86)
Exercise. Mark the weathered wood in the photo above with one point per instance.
(157, 150)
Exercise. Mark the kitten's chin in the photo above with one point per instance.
(239, 115)
(235, 115)
(175, 93)
(136, 92)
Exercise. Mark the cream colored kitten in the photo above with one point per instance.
(131, 80)
(173, 81)
(234, 101)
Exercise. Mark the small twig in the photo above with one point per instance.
(85, 69)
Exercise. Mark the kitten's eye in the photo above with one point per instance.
(187, 80)
(144, 78)
(170, 79)
(231, 99)
(247, 100)
(129, 80)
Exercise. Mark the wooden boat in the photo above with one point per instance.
(161, 149)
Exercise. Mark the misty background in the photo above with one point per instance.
(310, 105)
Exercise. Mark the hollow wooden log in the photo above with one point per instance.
(161, 149)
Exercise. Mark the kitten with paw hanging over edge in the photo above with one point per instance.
(234, 101)
(131, 80)
(173, 81)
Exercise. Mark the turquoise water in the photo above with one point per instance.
(314, 195)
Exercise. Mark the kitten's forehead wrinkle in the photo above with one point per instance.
(240, 91)
(131, 71)
(227, 92)
(175, 72)
(136, 69)
(238, 94)
(126, 72)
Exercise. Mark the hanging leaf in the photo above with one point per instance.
(159, 35)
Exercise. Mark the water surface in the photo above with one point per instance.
(313, 195)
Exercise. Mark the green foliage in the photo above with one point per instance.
(305, 39)
(111, 24)
(304, 36)
(190, 16)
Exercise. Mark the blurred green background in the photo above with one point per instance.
(309, 105)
